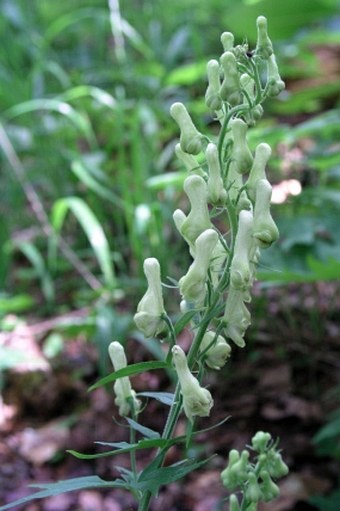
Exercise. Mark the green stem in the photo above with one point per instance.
(133, 438)
(167, 434)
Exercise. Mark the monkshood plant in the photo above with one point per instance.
(226, 186)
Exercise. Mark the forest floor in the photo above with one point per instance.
(286, 382)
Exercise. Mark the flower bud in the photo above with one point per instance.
(236, 317)
(122, 387)
(193, 284)
(240, 270)
(189, 161)
(230, 88)
(269, 489)
(212, 96)
(229, 478)
(264, 47)
(150, 309)
(241, 154)
(190, 137)
(240, 469)
(197, 401)
(218, 350)
(198, 220)
(275, 83)
(216, 192)
(227, 40)
(265, 229)
(253, 492)
(260, 441)
(258, 170)
(275, 465)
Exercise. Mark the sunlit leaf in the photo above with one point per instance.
(92, 229)
(53, 105)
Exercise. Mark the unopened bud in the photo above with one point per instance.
(264, 47)
(241, 153)
(269, 489)
(253, 492)
(227, 40)
(240, 269)
(190, 137)
(258, 169)
(216, 192)
(275, 83)
(198, 220)
(212, 96)
(260, 441)
(265, 229)
(230, 88)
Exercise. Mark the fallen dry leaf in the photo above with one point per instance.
(40, 445)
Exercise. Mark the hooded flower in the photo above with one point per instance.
(190, 138)
(198, 219)
(212, 96)
(230, 88)
(125, 395)
(216, 349)
(193, 284)
(265, 229)
(264, 47)
(150, 309)
(197, 401)
(216, 192)
(241, 269)
(236, 317)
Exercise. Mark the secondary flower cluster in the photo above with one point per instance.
(254, 478)
(226, 178)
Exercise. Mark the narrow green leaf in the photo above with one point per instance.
(152, 481)
(73, 17)
(167, 398)
(52, 489)
(130, 370)
(184, 320)
(142, 444)
(164, 181)
(80, 170)
(146, 432)
(92, 229)
(96, 93)
(15, 304)
(37, 261)
(53, 105)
